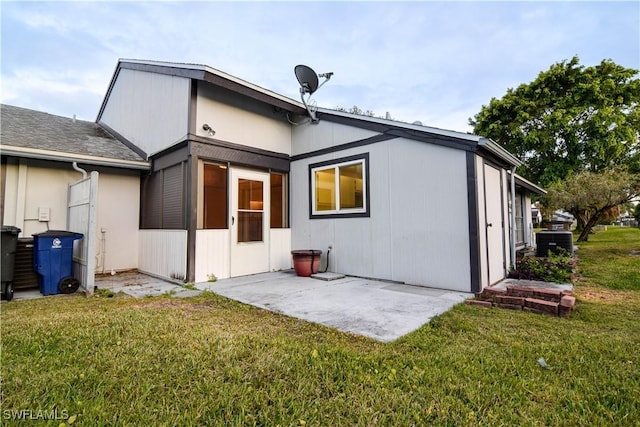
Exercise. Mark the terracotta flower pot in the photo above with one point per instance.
(306, 262)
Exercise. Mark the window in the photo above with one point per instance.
(278, 200)
(250, 210)
(340, 187)
(519, 219)
(215, 196)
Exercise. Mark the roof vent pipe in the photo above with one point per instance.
(77, 168)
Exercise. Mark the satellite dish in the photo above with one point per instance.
(308, 80)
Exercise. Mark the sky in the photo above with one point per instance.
(433, 62)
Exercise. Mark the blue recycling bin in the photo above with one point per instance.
(53, 261)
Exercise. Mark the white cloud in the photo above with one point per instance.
(428, 61)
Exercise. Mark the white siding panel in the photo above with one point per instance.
(118, 221)
(418, 229)
(150, 110)
(280, 250)
(528, 221)
(482, 221)
(163, 253)
(82, 213)
(241, 121)
(308, 138)
(212, 254)
(506, 215)
(430, 227)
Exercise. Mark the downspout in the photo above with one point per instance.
(512, 216)
(78, 169)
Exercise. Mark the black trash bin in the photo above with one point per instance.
(8, 244)
(53, 261)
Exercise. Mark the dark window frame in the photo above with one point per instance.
(364, 157)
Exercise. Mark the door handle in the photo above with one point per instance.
(233, 220)
(489, 225)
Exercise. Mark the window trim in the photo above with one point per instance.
(343, 213)
(285, 199)
(519, 221)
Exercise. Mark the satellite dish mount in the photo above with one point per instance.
(308, 80)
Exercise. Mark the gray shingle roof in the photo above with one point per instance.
(24, 128)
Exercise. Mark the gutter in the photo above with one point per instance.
(522, 182)
(496, 149)
(35, 153)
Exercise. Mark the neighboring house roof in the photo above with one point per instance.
(561, 215)
(38, 135)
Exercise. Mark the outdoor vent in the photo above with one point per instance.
(552, 240)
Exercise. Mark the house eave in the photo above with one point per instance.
(473, 141)
(524, 183)
(206, 74)
(403, 125)
(497, 150)
(33, 153)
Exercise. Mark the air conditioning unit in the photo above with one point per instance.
(552, 240)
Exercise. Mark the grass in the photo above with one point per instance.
(210, 361)
(607, 259)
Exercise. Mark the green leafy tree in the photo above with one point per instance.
(589, 195)
(636, 213)
(357, 110)
(570, 118)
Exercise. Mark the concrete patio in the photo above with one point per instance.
(380, 310)
(384, 311)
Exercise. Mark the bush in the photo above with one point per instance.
(557, 267)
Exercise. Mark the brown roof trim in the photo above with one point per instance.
(201, 74)
(123, 140)
(525, 183)
(251, 93)
(400, 132)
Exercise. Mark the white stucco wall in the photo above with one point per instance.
(149, 109)
(418, 229)
(30, 185)
(240, 120)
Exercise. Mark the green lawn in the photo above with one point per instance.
(606, 260)
(211, 361)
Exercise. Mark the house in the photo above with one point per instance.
(536, 214)
(239, 176)
(42, 155)
(561, 220)
(526, 216)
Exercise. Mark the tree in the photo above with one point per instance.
(636, 213)
(570, 118)
(357, 110)
(588, 195)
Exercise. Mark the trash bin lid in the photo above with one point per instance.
(10, 229)
(58, 233)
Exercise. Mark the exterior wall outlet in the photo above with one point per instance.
(44, 214)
